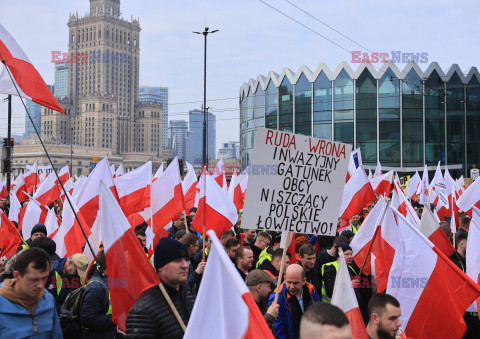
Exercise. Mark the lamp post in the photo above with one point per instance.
(204, 152)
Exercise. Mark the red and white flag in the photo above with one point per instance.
(3, 189)
(31, 179)
(159, 172)
(29, 81)
(69, 185)
(48, 191)
(354, 162)
(189, 188)
(235, 192)
(87, 200)
(344, 297)
(378, 170)
(382, 184)
(473, 254)
(471, 197)
(433, 292)
(133, 189)
(14, 208)
(167, 197)
(18, 187)
(51, 223)
(215, 210)
(424, 185)
(94, 239)
(9, 237)
(432, 230)
(222, 288)
(413, 186)
(35, 213)
(63, 175)
(357, 193)
(127, 264)
(120, 171)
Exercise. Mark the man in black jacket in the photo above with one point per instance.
(151, 316)
(307, 261)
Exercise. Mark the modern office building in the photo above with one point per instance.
(35, 111)
(196, 136)
(229, 150)
(61, 80)
(177, 131)
(157, 94)
(402, 118)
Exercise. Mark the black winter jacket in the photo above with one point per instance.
(151, 317)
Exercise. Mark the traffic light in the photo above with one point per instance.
(5, 142)
(12, 142)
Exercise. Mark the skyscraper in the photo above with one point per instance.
(35, 111)
(61, 80)
(178, 130)
(196, 131)
(157, 94)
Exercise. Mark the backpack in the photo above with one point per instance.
(71, 312)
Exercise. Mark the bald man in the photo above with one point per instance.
(325, 321)
(295, 295)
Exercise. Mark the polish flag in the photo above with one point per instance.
(9, 237)
(235, 193)
(51, 223)
(215, 211)
(344, 297)
(120, 171)
(361, 242)
(357, 193)
(64, 175)
(69, 185)
(290, 245)
(167, 197)
(159, 172)
(15, 207)
(378, 170)
(370, 175)
(94, 239)
(87, 200)
(48, 191)
(35, 213)
(125, 258)
(473, 254)
(28, 79)
(18, 187)
(243, 180)
(413, 186)
(222, 288)
(460, 186)
(112, 170)
(424, 185)
(382, 184)
(433, 292)
(69, 237)
(437, 179)
(3, 189)
(189, 187)
(133, 189)
(433, 232)
(444, 204)
(471, 197)
(354, 162)
(218, 170)
(31, 179)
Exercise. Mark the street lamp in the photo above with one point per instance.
(204, 153)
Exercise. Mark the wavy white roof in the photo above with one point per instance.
(277, 79)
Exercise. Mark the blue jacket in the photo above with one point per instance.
(283, 326)
(68, 284)
(17, 322)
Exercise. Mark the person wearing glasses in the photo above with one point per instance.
(261, 242)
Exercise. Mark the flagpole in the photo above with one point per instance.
(282, 267)
(49, 159)
(172, 307)
(204, 210)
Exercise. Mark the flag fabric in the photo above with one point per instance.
(382, 184)
(433, 292)
(3, 189)
(189, 188)
(167, 197)
(94, 239)
(64, 175)
(378, 170)
(344, 297)
(19, 188)
(354, 162)
(69, 186)
(15, 207)
(28, 79)
(471, 197)
(127, 264)
(290, 246)
(48, 191)
(235, 192)
(120, 171)
(51, 222)
(357, 193)
(133, 189)
(424, 187)
(31, 179)
(35, 213)
(9, 237)
(159, 172)
(222, 288)
(413, 186)
(215, 210)
(473, 254)
(433, 232)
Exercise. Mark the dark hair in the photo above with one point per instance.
(459, 236)
(339, 239)
(239, 252)
(35, 255)
(278, 253)
(193, 209)
(378, 303)
(141, 232)
(325, 314)
(179, 234)
(227, 233)
(307, 249)
(101, 261)
(231, 242)
(189, 239)
(264, 235)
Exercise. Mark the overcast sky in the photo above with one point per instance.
(253, 39)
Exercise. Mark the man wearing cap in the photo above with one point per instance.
(69, 274)
(259, 283)
(151, 316)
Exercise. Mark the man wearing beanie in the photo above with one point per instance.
(361, 285)
(151, 316)
(39, 230)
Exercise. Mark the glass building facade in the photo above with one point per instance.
(402, 118)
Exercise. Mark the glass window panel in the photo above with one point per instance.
(473, 122)
(366, 104)
(323, 131)
(259, 107)
(322, 107)
(286, 106)
(455, 121)
(303, 106)
(412, 115)
(389, 119)
(271, 103)
(344, 132)
(434, 120)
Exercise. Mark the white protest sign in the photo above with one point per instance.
(295, 183)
